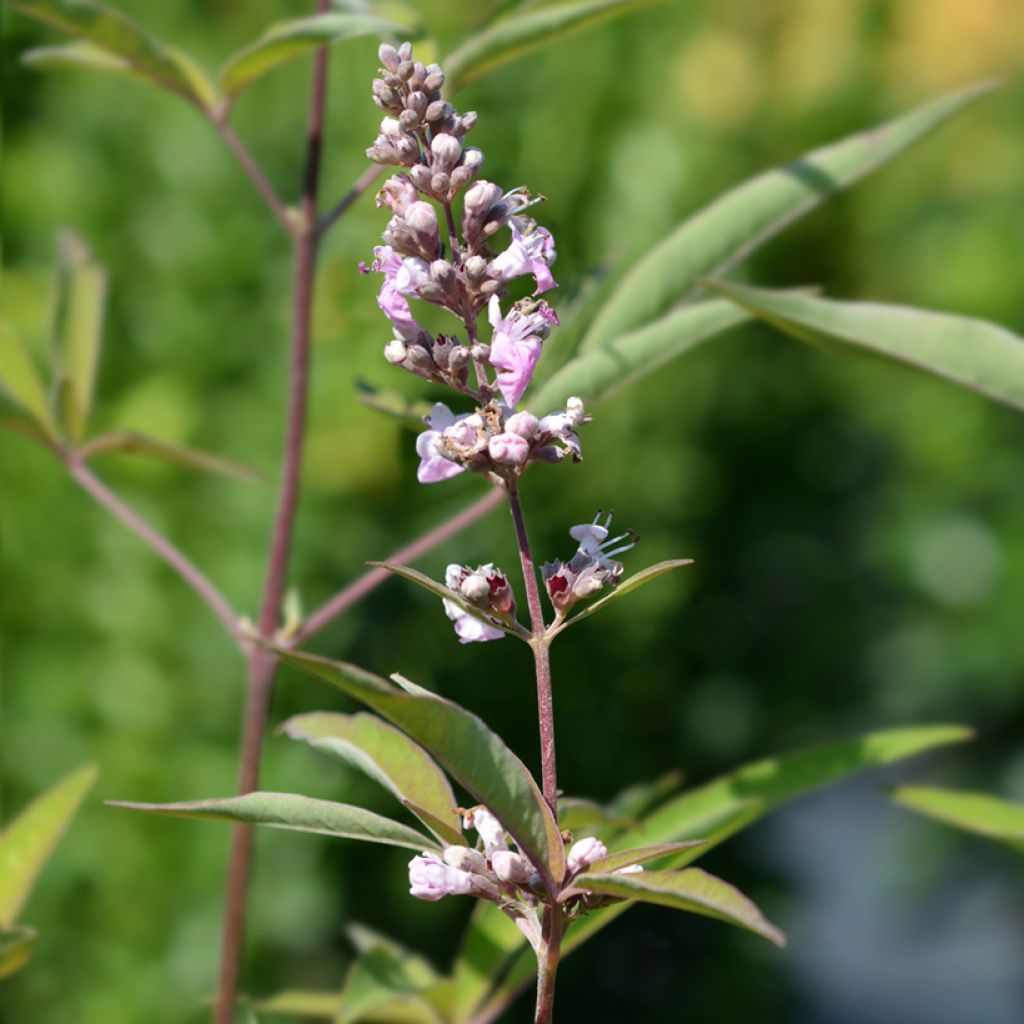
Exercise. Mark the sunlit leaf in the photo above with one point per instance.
(20, 380)
(16, 948)
(379, 979)
(443, 592)
(575, 813)
(475, 756)
(639, 855)
(600, 372)
(640, 798)
(297, 813)
(492, 948)
(28, 841)
(121, 37)
(288, 39)
(977, 354)
(384, 753)
(518, 35)
(298, 1003)
(652, 572)
(692, 890)
(980, 813)
(129, 442)
(718, 236)
(80, 293)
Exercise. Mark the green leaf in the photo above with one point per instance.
(20, 380)
(298, 1003)
(381, 979)
(640, 855)
(714, 239)
(980, 813)
(974, 353)
(637, 800)
(692, 890)
(637, 580)
(288, 39)
(441, 591)
(392, 402)
(600, 372)
(131, 443)
(80, 293)
(124, 40)
(474, 755)
(388, 756)
(296, 813)
(28, 841)
(576, 813)
(713, 812)
(514, 37)
(16, 948)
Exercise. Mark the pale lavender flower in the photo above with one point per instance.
(431, 879)
(434, 466)
(592, 568)
(509, 449)
(532, 252)
(562, 426)
(515, 349)
(584, 853)
(485, 587)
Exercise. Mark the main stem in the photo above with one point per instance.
(548, 957)
(262, 665)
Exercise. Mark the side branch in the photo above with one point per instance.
(362, 183)
(174, 557)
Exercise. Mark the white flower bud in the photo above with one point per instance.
(489, 829)
(510, 449)
(629, 869)
(525, 424)
(446, 149)
(475, 267)
(475, 588)
(421, 217)
(473, 159)
(584, 853)
(388, 56)
(510, 867)
(574, 409)
(481, 197)
(395, 351)
(391, 129)
(465, 859)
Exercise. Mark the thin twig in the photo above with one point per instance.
(262, 665)
(369, 581)
(253, 170)
(362, 183)
(175, 558)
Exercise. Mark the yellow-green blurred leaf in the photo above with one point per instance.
(16, 948)
(127, 441)
(20, 379)
(28, 841)
(980, 813)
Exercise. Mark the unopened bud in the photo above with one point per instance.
(475, 267)
(405, 51)
(584, 853)
(480, 352)
(421, 217)
(388, 56)
(418, 76)
(431, 291)
(489, 287)
(464, 859)
(509, 867)
(420, 177)
(405, 70)
(446, 150)
(442, 272)
(509, 449)
(525, 424)
(481, 197)
(440, 182)
(395, 351)
(434, 79)
(475, 588)
(416, 101)
(409, 119)
(419, 358)
(436, 111)
(385, 93)
(458, 358)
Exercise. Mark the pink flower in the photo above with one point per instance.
(532, 252)
(509, 448)
(515, 349)
(434, 466)
(431, 879)
(477, 587)
(401, 278)
(584, 853)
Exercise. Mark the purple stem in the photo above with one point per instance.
(362, 183)
(262, 665)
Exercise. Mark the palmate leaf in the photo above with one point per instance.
(492, 948)
(296, 813)
(474, 755)
(28, 841)
(125, 41)
(389, 757)
(973, 353)
(692, 890)
(289, 39)
(718, 236)
(980, 813)
(518, 35)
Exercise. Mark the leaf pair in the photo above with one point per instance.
(26, 844)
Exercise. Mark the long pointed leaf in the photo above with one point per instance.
(692, 890)
(977, 354)
(296, 813)
(714, 239)
(132, 443)
(474, 755)
(652, 572)
(384, 753)
(639, 855)
(16, 948)
(980, 813)
(20, 380)
(120, 36)
(28, 841)
(514, 37)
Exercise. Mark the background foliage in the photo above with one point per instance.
(860, 559)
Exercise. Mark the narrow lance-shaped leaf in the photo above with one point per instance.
(692, 890)
(718, 236)
(977, 354)
(516, 36)
(28, 841)
(124, 39)
(639, 855)
(20, 380)
(446, 594)
(132, 443)
(714, 812)
(16, 948)
(288, 39)
(474, 755)
(387, 755)
(380, 979)
(296, 813)
(980, 813)
(652, 572)
(80, 292)
(599, 373)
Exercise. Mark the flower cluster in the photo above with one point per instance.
(457, 263)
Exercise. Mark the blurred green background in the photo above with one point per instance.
(858, 531)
